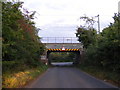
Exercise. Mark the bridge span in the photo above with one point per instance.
(62, 46)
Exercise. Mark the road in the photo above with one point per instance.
(62, 63)
(67, 77)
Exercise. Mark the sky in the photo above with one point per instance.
(60, 18)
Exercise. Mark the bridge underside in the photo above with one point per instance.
(75, 61)
(64, 47)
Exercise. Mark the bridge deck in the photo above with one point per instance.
(65, 45)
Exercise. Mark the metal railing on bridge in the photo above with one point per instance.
(59, 40)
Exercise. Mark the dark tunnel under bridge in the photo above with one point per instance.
(75, 61)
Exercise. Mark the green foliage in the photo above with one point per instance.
(85, 36)
(19, 36)
(109, 46)
(102, 50)
(62, 57)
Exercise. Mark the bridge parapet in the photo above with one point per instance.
(65, 45)
(59, 40)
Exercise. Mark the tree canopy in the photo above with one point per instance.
(102, 49)
(19, 35)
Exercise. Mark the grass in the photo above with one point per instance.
(21, 78)
(107, 76)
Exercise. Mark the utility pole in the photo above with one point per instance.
(118, 7)
(119, 10)
(98, 24)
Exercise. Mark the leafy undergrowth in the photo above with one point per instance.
(21, 78)
(107, 76)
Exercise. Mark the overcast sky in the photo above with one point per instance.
(60, 18)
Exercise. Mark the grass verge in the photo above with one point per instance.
(21, 78)
(107, 76)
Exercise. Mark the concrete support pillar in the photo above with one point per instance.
(77, 59)
(82, 56)
(48, 57)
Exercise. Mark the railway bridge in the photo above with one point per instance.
(63, 44)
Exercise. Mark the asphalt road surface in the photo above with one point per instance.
(67, 77)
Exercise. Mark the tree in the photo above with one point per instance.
(104, 49)
(20, 39)
(109, 45)
(86, 34)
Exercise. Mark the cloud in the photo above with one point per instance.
(63, 15)
(58, 31)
